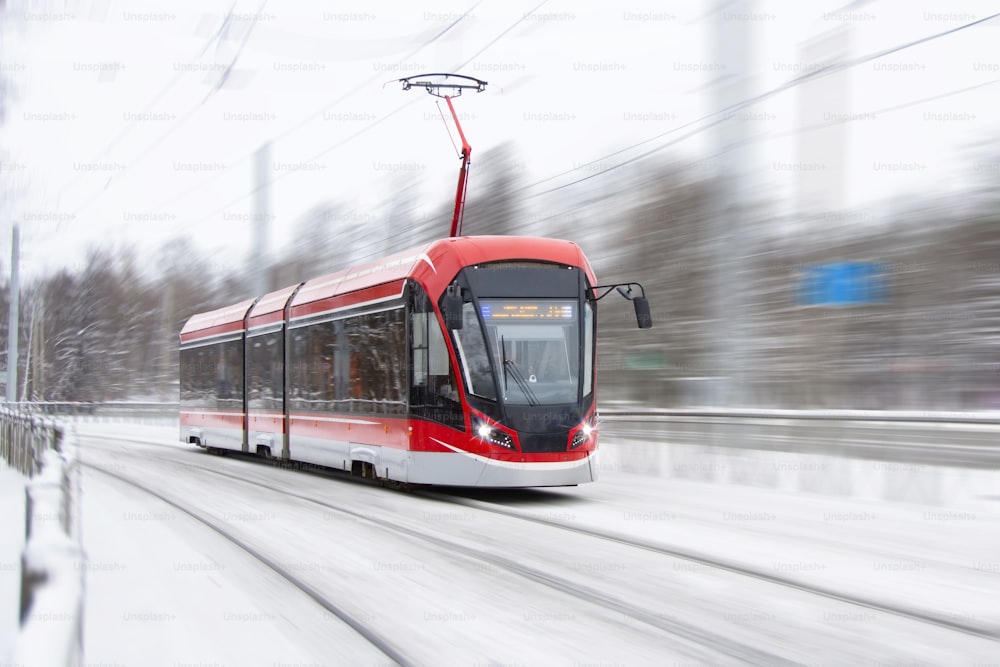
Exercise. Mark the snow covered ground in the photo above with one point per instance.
(11, 545)
(162, 589)
(634, 569)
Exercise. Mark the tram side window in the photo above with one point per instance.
(298, 368)
(229, 375)
(196, 377)
(212, 375)
(433, 389)
(378, 375)
(588, 348)
(325, 350)
(313, 356)
(356, 364)
(473, 354)
(265, 371)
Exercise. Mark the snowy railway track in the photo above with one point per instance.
(671, 638)
(714, 641)
(982, 630)
(606, 589)
(383, 644)
(977, 630)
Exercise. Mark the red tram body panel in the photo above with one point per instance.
(469, 361)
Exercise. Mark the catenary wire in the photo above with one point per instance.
(804, 78)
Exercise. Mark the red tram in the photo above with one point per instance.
(469, 361)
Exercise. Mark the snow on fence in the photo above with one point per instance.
(52, 561)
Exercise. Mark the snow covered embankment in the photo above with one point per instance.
(951, 488)
(52, 562)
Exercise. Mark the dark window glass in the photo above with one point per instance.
(473, 354)
(211, 376)
(588, 348)
(195, 376)
(378, 362)
(535, 343)
(433, 388)
(265, 371)
(355, 364)
(314, 357)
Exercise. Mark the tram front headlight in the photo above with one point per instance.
(494, 435)
(582, 434)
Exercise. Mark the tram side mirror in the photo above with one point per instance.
(452, 307)
(642, 314)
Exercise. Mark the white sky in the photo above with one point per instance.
(566, 85)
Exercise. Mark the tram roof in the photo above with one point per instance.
(219, 321)
(433, 264)
(270, 308)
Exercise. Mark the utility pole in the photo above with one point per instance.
(728, 228)
(261, 218)
(12, 325)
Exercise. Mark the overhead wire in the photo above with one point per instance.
(191, 112)
(811, 128)
(318, 113)
(719, 115)
(152, 102)
(796, 81)
(188, 115)
(369, 127)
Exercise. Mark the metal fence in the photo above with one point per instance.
(967, 438)
(24, 438)
(926, 438)
(52, 561)
(83, 410)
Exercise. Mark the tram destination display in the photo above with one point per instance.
(495, 311)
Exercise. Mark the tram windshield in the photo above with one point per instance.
(535, 345)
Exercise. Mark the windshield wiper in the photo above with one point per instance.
(516, 372)
(521, 382)
(503, 357)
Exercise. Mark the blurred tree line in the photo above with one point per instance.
(931, 342)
